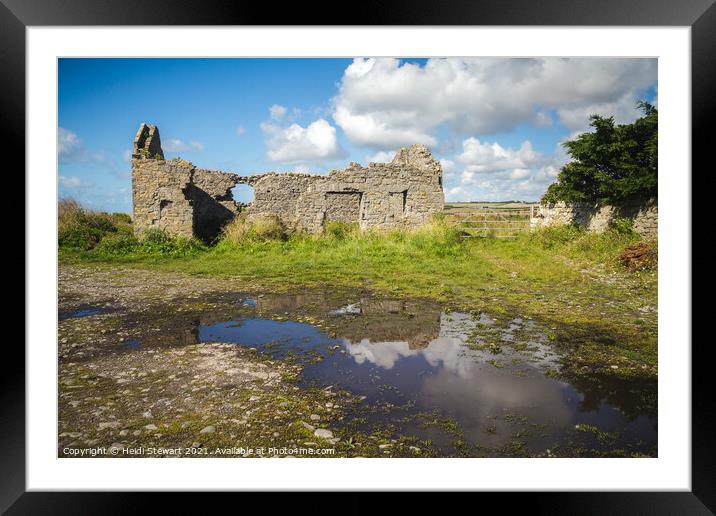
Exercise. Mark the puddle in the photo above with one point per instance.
(132, 344)
(420, 370)
(80, 312)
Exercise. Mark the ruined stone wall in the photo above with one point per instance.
(158, 197)
(174, 196)
(147, 143)
(181, 199)
(210, 195)
(644, 216)
(403, 193)
(278, 194)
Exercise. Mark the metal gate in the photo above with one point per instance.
(497, 222)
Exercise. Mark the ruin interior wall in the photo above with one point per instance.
(209, 193)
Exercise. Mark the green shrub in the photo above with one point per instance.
(341, 230)
(81, 229)
(154, 243)
(181, 162)
(157, 242)
(78, 228)
(554, 236)
(79, 236)
(612, 163)
(623, 226)
(576, 242)
(120, 218)
(117, 244)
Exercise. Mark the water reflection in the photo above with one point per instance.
(416, 357)
(80, 312)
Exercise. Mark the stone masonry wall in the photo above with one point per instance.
(210, 195)
(643, 215)
(158, 197)
(181, 199)
(174, 196)
(403, 193)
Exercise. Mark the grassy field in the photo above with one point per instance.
(604, 314)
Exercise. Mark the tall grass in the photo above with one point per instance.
(82, 229)
(153, 243)
(258, 228)
(438, 238)
(264, 247)
(576, 242)
(101, 235)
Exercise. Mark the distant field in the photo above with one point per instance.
(465, 206)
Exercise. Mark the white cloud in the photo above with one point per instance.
(277, 111)
(301, 169)
(296, 144)
(491, 172)
(542, 119)
(68, 144)
(71, 149)
(381, 157)
(491, 157)
(240, 131)
(383, 103)
(127, 155)
(448, 165)
(176, 145)
(74, 182)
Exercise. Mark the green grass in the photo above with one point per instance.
(90, 235)
(567, 278)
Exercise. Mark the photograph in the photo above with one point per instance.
(357, 257)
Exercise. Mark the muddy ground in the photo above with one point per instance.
(172, 396)
(136, 379)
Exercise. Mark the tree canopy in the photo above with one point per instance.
(612, 164)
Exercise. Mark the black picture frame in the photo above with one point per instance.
(700, 15)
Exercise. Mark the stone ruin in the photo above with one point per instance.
(183, 200)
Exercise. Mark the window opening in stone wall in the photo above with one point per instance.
(164, 205)
(243, 193)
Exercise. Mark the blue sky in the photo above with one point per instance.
(496, 124)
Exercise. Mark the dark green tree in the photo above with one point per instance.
(611, 164)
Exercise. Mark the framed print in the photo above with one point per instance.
(444, 250)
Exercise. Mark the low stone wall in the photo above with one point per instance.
(644, 216)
